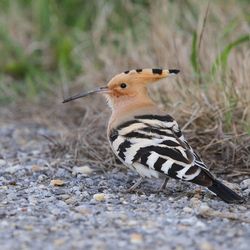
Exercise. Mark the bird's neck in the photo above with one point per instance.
(125, 108)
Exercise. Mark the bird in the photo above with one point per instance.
(149, 141)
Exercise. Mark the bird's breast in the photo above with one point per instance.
(129, 139)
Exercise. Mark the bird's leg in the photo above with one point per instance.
(139, 181)
(164, 184)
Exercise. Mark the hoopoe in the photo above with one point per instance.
(147, 140)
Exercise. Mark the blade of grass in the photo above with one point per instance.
(194, 54)
(232, 25)
(221, 60)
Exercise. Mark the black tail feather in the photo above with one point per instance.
(225, 193)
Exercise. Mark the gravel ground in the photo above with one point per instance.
(46, 205)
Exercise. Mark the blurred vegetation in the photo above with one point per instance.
(47, 43)
(39, 40)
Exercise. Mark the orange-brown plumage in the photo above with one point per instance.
(134, 99)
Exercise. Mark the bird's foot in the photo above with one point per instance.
(163, 185)
(133, 188)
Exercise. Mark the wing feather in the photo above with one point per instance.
(157, 143)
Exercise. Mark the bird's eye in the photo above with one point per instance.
(123, 85)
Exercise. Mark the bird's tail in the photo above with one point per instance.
(224, 192)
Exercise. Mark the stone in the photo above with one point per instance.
(200, 225)
(57, 182)
(206, 246)
(36, 168)
(187, 209)
(41, 178)
(204, 209)
(99, 197)
(136, 238)
(245, 184)
(2, 162)
(59, 242)
(85, 170)
(71, 200)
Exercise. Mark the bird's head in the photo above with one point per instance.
(128, 84)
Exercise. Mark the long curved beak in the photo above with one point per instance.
(103, 89)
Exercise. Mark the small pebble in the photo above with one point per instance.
(187, 209)
(57, 182)
(200, 225)
(59, 242)
(245, 184)
(99, 197)
(2, 162)
(71, 200)
(206, 246)
(136, 238)
(85, 170)
(203, 209)
(65, 197)
(37, 168)
(41, 178)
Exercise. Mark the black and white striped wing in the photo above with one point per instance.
(153, 143)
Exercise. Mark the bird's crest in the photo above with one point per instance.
(144, 75)
(155, 71)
